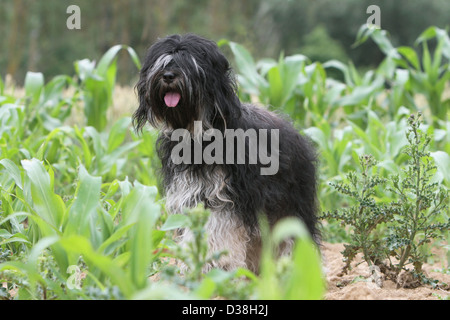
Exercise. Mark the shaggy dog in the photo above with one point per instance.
(187, 90)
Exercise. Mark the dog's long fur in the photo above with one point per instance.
(236, 194)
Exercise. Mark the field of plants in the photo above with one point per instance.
(82, 216)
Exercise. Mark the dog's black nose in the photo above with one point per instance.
(168, 76)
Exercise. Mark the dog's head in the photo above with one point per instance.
(184, 79)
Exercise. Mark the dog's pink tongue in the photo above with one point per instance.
(172, 98)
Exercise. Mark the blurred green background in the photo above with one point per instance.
(35, 37)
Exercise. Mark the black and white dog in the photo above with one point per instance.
(186, 85)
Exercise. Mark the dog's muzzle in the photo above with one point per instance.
(171, 97)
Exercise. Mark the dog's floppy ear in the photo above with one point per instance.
(221, 83)
(227, 102)
(143, 112)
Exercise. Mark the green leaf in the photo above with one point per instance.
(380, 37)
(290, 68)
(341, 67)
(410, 55)
(39, 247)
(16, 238)
(84, 68)
(275, 87)
(95, 260)
(435, 32)
(114, 238)
(426, 61)
(306, 281)
(13, 171)
(303, 278)
(289, 228)
(246, 65)
(369, 143)
(86, 152)
(30, 272)
(206, 288)
(83, 212)
(136, 202)
(139, 207)
(361, 93)
(442, 161)
(318, 136)
(96, 141)
(363, 34)
(175, 221)
(107, 59)
(48, 205)
(134, 57)
(97, 100)
(34, 83)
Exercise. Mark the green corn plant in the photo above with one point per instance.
(382, 140)
(24, 122)
(45, 105)
(313, 96)
(436, 73)
(97, 84)
(337, 153)
(298, 277)
(113, 232)
(144, 157)
(335, 145)
(251, 82)
(409, 75)
(104, 154)
(282, 78)
(357, 91)
(291, 84)
(273, 82)
(108, 150)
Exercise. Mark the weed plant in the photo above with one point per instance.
(392, 235)
(421, 211)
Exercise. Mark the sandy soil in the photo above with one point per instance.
(358, 285)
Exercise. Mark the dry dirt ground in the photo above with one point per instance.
(356, 286)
